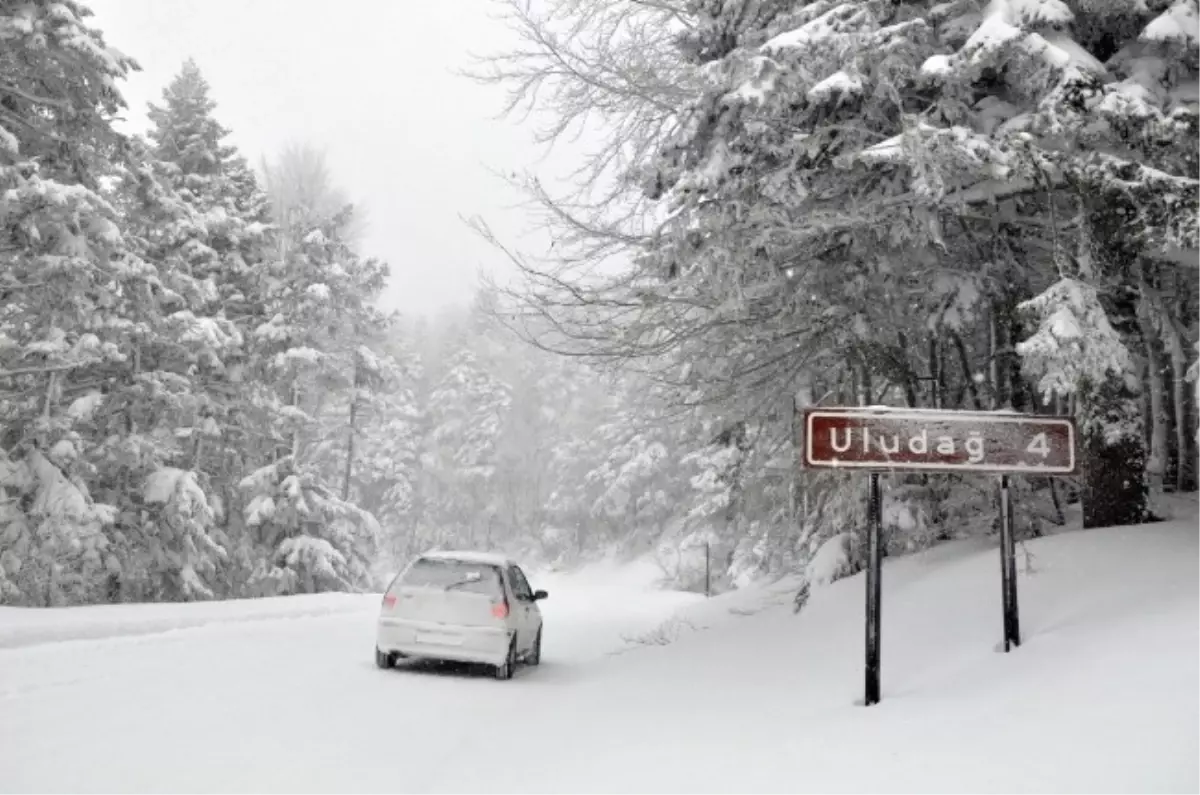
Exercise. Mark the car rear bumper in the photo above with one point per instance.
(488, 645)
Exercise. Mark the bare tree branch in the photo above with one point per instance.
(608, 68)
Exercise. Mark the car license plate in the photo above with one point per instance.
(439, 638)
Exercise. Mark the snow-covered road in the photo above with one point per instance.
(279, 695)
(282, 695)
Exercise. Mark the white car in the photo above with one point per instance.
(470, 607)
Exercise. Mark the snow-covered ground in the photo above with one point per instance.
(731, 694)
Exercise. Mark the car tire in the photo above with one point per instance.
(506, 669)
(535, 652)
(384, 660)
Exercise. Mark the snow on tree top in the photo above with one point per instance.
(936, 65)
(58, 496)
(8, 142)
(827, 24)
(20, 23)
(316, 553)
(1063, 50)
(86, 41)
(275, 329)
(368, 360)
(1056, 349)
(1178, 23)
(318, 291)
(64, 451)
(1129, 98)
(82, 408)
(210, 332)
(161, 483)
(838, 83)
(302, 353)
(260, 509)
(763, 75)
(55, 342)
(1031, 13)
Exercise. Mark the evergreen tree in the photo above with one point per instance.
(69, 291)
(467, 411)
(207, 221)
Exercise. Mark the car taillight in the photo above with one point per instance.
(500, 610)
(389, 600)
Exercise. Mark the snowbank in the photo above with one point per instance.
(738, 694)
(25, 626)
(573, 591)
(1103, 695)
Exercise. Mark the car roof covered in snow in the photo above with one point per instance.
(466, 556)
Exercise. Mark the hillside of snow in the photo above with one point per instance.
(643, 690)
(1102, 696)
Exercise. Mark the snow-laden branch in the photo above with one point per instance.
(50, 368)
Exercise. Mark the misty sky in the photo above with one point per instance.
(371, 82)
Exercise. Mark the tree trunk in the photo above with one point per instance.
(295, 402)
(352, 432)
(995, 372)
(935, 371)
(1185, 462)
(867, 384)
(1060, 518)
(964, 362)
(910, 384)
(1114, 458)
(1170, 416)
(1156, 463)
(1114, 452)
(1020, 395)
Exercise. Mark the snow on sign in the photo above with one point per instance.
(946, 441)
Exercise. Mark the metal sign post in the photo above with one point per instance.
(885, 439)
(1008, 569)
(874, 588)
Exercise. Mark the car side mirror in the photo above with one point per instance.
(539, 595)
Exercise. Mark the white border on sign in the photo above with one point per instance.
(928, 414)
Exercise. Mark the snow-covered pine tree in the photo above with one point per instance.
(212, 178)
(320, 299)
(386, 476)
(800, 247)
(67, 289)
(160, 418)
(466, 414)
(1090, 110)
(317, 541)
(214, 228)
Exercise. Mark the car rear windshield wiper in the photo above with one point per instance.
(473, 577)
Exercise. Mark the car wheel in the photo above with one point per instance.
(535, 653)
(509, 666)
(384, 660)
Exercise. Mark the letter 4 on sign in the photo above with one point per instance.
(945, 441)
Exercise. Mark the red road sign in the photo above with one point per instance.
(943, 441)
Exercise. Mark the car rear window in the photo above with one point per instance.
(431, 573)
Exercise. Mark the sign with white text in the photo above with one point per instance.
(938, 441)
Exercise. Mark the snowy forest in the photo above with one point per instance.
(962, 204)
